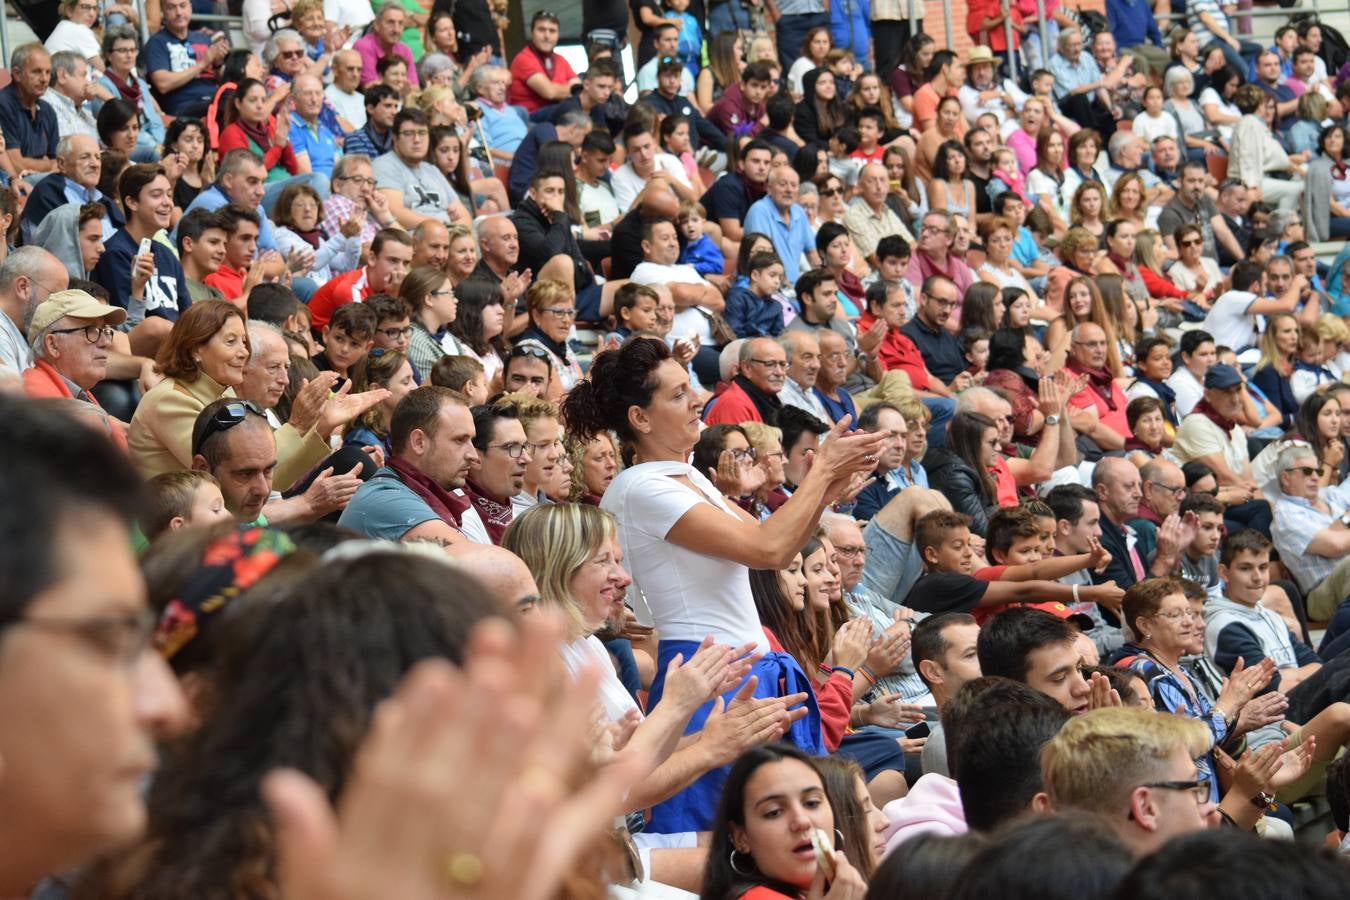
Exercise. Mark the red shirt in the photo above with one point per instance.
(230, 282)
(733, 407)
(529, 62)
(233, 137)
(897, 351)
(349, 287)
(1005, 485)
(1111, 418)
(878, 154)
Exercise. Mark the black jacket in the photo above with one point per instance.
(542, 238)
(960, 484)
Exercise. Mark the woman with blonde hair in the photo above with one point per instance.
(573, 552)
(552, 308)
(1077, 252)
(1279, 350)
(1166, 295)
(767, 442)
(594, 464)
(1129, 199)
(463, 258)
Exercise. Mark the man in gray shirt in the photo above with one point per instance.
(416, 189)
(28, 276)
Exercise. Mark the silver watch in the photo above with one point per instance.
(1052, 419)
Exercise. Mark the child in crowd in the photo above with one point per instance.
(691, 34)
(892, 261)
(1154, 122)
(235, 276)
(753, 311)
(1043, 87)
(1309, 372)
(845, 69)
(975, 343)
(1200, 558)
(464, 374)
(1038, 223)
(700, 251)
(347, 337)
(675, 141)
(1018, 575)
(393, 322)
(180, 499)
(841, 162)
(201, 248)
(1006, 176)
(870, 127)
(635, 312)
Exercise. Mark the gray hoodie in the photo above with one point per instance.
(59, 233)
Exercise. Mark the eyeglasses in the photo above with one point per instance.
(561, 312)
(225, 418)
(744, 452)
(1177, 492)
(776, 454)
(122, 639)
(1306, 471)
(1194, 242)
(770, 363)
(849, 552)
(394, 334)
(933, 229)
(1090, 344)
(131, 49)
(291, 54)
(513, 449)
(443, 292)
(414, 133)
(1173, 615)
(831, 192)
(359, 179)
(1199, 788)
(92, 333)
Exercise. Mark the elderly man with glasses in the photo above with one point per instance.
(932, 256)
(71, 336)
(753, 393)
(1163, 488)
(28, 276)
(1312, 530)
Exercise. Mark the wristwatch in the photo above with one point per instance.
(1262, 801)
(1052, 419)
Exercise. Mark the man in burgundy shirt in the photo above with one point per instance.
(932, 256)
(740, 109)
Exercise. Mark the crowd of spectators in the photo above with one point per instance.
(827, 467)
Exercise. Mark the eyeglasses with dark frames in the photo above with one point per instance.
(92, 333)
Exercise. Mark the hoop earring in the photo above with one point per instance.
(731, 860)
(839, 834)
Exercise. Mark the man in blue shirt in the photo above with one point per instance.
(941, 351)
(376, 137)
(181, 64)
(1081, 89)
(151, 287)
(29, 123)
(778, 215)
(314, 129)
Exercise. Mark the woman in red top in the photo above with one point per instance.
(249, 125)
(762, 849)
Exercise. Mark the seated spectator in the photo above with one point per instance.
(870, 219)
(183, 500)
(413, 496)
(504, 125)
(66, 363)
(384, 39)
(241, 179)
(69, 94)
(28, 122)
(315, 132)
(835, 363)
(376, 136)
(897, 350)
(570, 127)
(1232, 318)
(552, 310)
(390, 257)
(296, 215)
(76, 180)
(416, 189)
(160, 436)
(803, 358)
(539, 76)
(740, 109)
(343, 93)
(151, 285)
(1279, 351)
(181, 64)
(389, 372)
(1081, 89)
(354, 199)
(1135, 769)
(1257, 157)
(896, 469)
(1101, 396)
(249, 126)
(1308, 532)
(670, 99)
(932, 256)
(504, 453)
(645, 166)
(119, 79)
(942, 352)
(549, 249)
(231, 277)
(753, 393)
(754, 310)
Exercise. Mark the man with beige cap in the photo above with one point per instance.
(71, 334)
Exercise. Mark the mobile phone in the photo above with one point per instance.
(145, 247)
(917, 730)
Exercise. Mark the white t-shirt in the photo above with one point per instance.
(1210, 97)
(628, 184)
(68, 35)
(351, 107)
(688, 320)
(589, 651)
(1229, 322)
(686, 595)
(345, 12)
(1188, 389)
(1150, 127)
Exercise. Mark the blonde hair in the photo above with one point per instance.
(529, 408)
(1333, 328)
(555, 540)
(1270, 355)
(547, 292)
(759, 434)
(1100, 757)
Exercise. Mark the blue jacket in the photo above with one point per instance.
(851, 26)
(704, 255)
(750, 315)
(1132, 23)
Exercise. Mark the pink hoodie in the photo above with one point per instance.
(933, 806)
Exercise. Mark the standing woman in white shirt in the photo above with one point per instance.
(688, 550)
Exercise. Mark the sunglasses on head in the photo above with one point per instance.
(225, 418)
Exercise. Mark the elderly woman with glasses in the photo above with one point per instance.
(1159, 615)
(552, 309)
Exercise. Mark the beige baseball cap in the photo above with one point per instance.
(79, 304)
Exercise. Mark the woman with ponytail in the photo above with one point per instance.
(690, 551)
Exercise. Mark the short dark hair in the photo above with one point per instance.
(1015, 866)
(1008, 638)
(485, 419)
(926, 640)
(194, 223)
(356, 319)
(759, 261)
(378, 93)
(454, 372)
(604, 67)
(780, 110)
(877, 293)
(387, 62)
(932, 528)
(941, 59)
(1247, 539)
(867, 419)
(418, 411)
(1005, 526)
(1191, 341)
(892, 246)
(409, 114)
(1200, 503)
(811, 280)
(998, 763)
(389, 309)
(1244, 274)
(598, 140)
(794, 422)
(134, 179)
(1002, 201)
(231, 214)
(634, 128)
(60, 473)
(1142, 406)
(757, 71)
(271, 302)
(209, 442)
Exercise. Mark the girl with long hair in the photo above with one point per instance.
(908, 77)
(821, 111)
(1087, 206)
(1045, 182)
(188, 137)
(1279, 350)
(870, 92)
(815, 47)
(434, 304)
(1129, 199)
(480, 319)
(1082, 303)
(387, 369)
(951, 189)
(962, 470)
